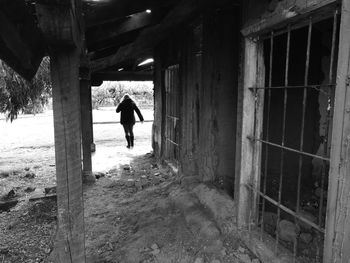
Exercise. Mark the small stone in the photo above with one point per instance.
(305, 237)
(98, 175)
(37, 167)
(288, 231)
(138, 184)
(29, 189)
(245, 258)
(199, 260)
(27, 169)
(155, 252)
(241, 249)
(130, 182)
(154, 246)
(11, 194)
(156, 174)
(30, 175)
(47, 250)
(50, 190)
(127, 167)
(155, 180)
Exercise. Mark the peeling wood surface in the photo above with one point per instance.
(337, 241)
(287, 12)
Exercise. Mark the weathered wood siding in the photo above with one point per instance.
(208, 59)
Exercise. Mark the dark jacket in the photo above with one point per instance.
(127, 108)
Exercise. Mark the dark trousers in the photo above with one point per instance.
(129, 134)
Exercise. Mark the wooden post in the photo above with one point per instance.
(61, 24)
(70, 243)
(249, 151)
(86, 122)
(92, 144)
(337, 239)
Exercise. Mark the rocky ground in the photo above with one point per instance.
(137, 211)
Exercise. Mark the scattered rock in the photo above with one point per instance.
(50, 190)
(245, 258)
(156, 174)
(9, 195)
(199, 260)
(305, 237)
(288, 231)
(127, 167)
(241, 249)
(154, 246)
(155, 249)
(130, 183)
(37, 167)
(30, 175)
(4, 174)
(26, 169)
(29, 189)
(155, 180)
(98, 175)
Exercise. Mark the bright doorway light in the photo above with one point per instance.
(147, 61)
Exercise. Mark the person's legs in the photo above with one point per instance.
(127, 134)
(131, 135)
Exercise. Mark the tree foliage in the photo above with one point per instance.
(19, 95)
(111, 92)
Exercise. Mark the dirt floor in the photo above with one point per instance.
(130, 211)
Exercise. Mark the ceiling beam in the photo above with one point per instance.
(97, 13)
(149, 37)
(121, 76)
(104, 33)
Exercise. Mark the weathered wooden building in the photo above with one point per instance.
(249, 95)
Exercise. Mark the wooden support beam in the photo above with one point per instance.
(62, 27)
(337, 239)
(70, 239)
(249, 152)
(21, 44)
(86, 123)
(122, 75)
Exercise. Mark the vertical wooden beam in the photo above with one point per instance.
(61, 24)
(86, 122)
(249, 172)
(92, 143)
(337, 239)
(70, 243)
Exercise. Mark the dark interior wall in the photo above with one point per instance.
(219, 100)
(207, 53)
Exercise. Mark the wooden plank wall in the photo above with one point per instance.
(337, 241)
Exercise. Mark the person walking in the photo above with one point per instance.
(127, 118)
